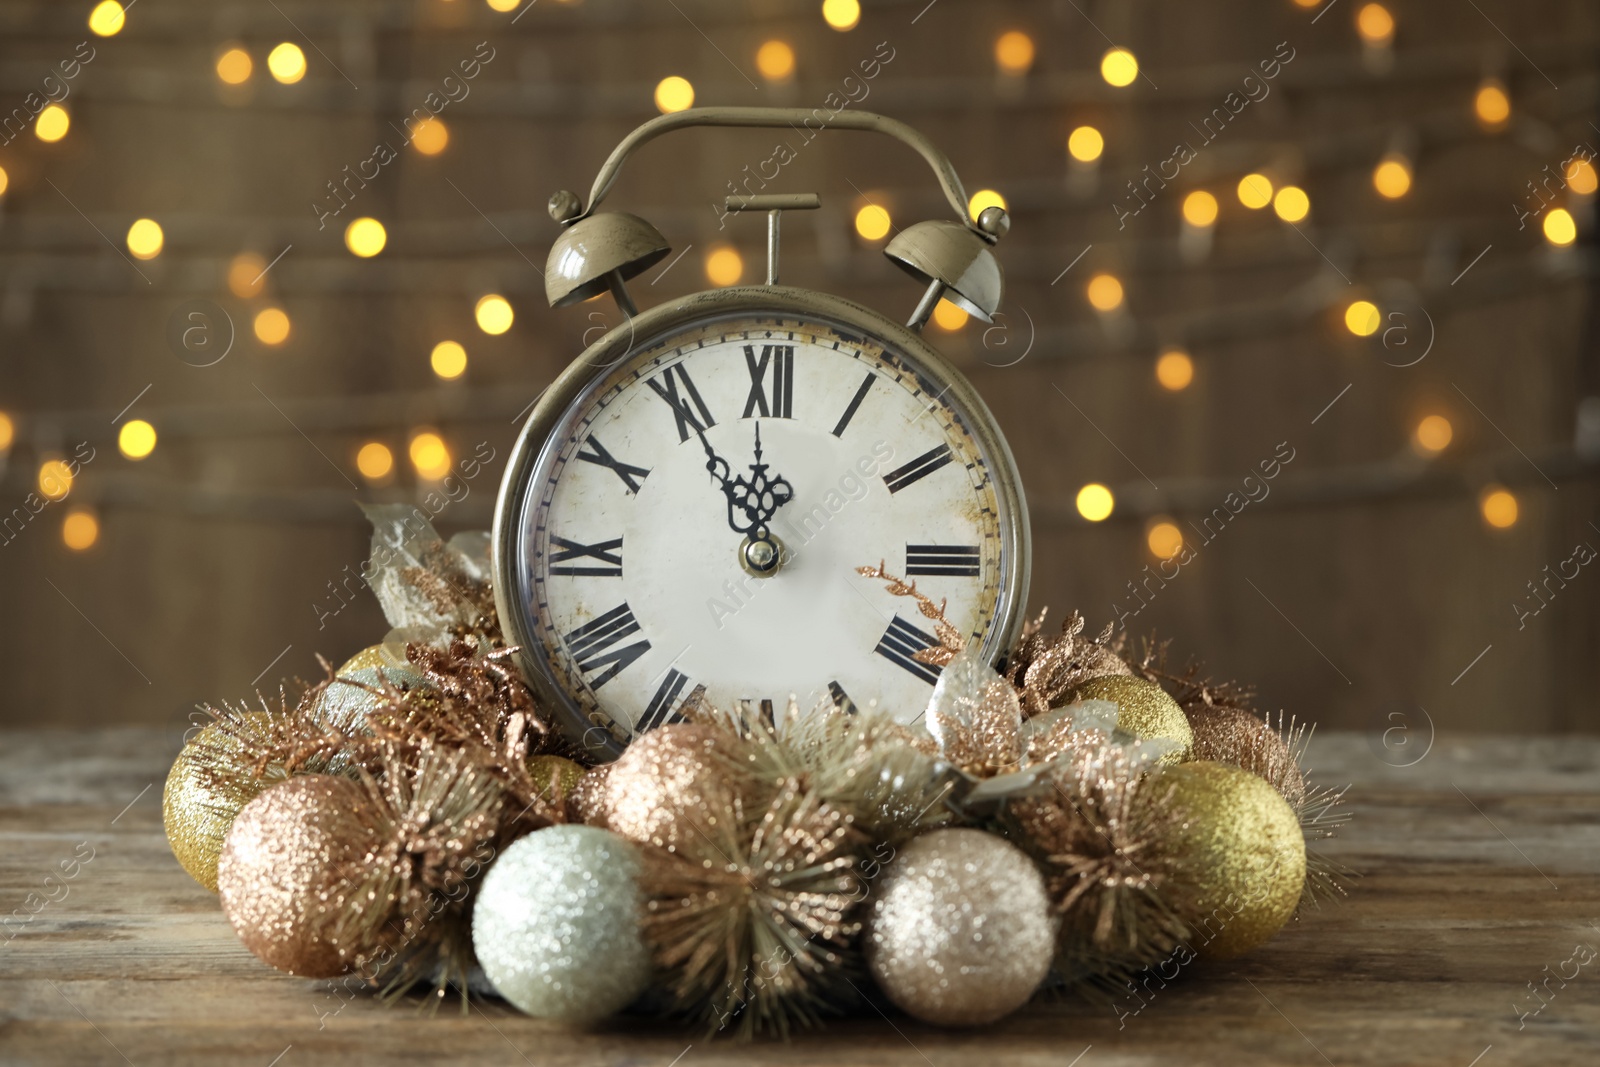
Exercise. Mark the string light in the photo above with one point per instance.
(287, 63)
(5, 180)
(873, 222)
(374, 461)
(1119, 67)
(8, 432)
(107, 19)
(246, 275)
(1163, 538)
(984, 198)
(1361, 318)
(448, 360)
(235, 66)
(1392, 176)
(842, 15)
(1174, 370)
(1491, 104)
(1432, 435)
(52, 124)
(1013, 52)
(430, 137)
(949, 317)
(1095, 502)
(1085, 144)
(674, 94)
(775, 60)
(365, 237)
(145, 239)
(80, 530)
(724, 265)
(55, 479)
(1105, 292)
(1498, 507)
(503, 5)
(1255, 191)
(1200, 208)
(1581, 178)
(1291, 203)
(272, 326)
(1375, 24)
(493, 313)
(1559, 227)
(430, 455)
(136, 439)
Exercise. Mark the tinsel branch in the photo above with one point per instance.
(951, 640)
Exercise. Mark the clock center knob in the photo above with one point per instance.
(761, 556)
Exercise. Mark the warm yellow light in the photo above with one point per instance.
(1164, 538)
(429, 455)
(136, 439)
(1105, 292)
(1085, 144)
(1013, 52)
(1375, 24)
(1559, 227)
(1499, 507)
(235, 66)
(1291, 203)
(80, 529)
(52, 124)
(1433, 434)
(724, 265)
(841, 14)
(272, 326)
(365, 237)
(775, 60)
(1095, 502)
(8, 432)
(1174, 369)
(1580, 175)
(431, 136)
(949, 317)
(494, 314)
(5, 180)
(449, 359)
(245, 275)
(1308, 4)
(55, 479)
(984, 198)
(1118, 67)
(1361, 318)
(1255, 191)
(107, 18)
(1392, 177)
(145, 239)
(1200, 208)
(374, 461)
(872, 222)
(287, 63)
(503, 5)
(674, 94)
(1491, 104)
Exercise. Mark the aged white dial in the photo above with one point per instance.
(657, 552)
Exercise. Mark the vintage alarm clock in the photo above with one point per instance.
(685, 510)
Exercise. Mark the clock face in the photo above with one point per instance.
(635, 582)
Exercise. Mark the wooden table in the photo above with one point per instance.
(1479, 872)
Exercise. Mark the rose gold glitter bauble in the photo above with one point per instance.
(1144, 710)
(1232, 735)
(201, 799)
(283, 865)
(588, 799)
(662, 785)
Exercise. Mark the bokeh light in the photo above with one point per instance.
(431, 136)
(1580, 176)
(1255, 191)
(1432, 435)
(245, 275)
(949, 317)
(1362, 318)
(1119, 67)
(873, 222)
(235, 66)
(1163, 538)
(448, 359)
(841, 14)
(1498, 507)
(674, 94)
(1200, 208)
(145, 239)
(8, 432)
(1291, 203)
(136, 439)
(1105, 292)
(493, 314)
(1095, 502)
(984, 198)
(1013, 52)
(52, 124)
(1174, 370)
(1375, 24)
(1392, 176)
(80, 529)
(1559, 227)
(430, 455)
(287, 63)
(374, 461)
(107, 19)
(5, 180)
(724, 265)
(1491, 103)
(1085, 144)
(272, 326)
(775, 60)
(55, 479)
(365, 237)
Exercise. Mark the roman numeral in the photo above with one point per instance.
(665, 706)
(841, 699)
(691, 412)
(607, 552)
(917, 469)
(855, 402)
(598, 643)
(626, 471)
(959, 560)
(900, 644)
(781, 358)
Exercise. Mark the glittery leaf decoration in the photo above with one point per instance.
(430, 590)
(951, 640)
(1045, 669)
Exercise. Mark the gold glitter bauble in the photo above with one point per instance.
(1233, 735)
(1144, 710)
(201, 800)
(1235, 859)
(663, 785)
(555, 775)
(960, 931)
(290, 852)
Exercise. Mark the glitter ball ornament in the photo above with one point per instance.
(349, 697)
(286, 859)
(1235, 858)
(960, 932)
(556, 924)
(554, 776)
(202, 797)
(1144, 710)
(662, 785)
(1233, 735)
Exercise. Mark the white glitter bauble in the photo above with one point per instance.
(556, 924)
(960, 931)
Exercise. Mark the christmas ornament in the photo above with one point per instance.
(355, 689)
(284, 864)
(555, 777)
(205, 790)
(666, 787)
(432, 592)
(960, 931)
(1144, 710)
(1233, 735)
(1046, 669)
(1235, 859)
(556, 924)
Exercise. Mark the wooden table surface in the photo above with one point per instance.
(1480, 879)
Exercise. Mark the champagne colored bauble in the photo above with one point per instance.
(588, 800)
(1232, 735)
(555, 776)
(556, 924)
(1235, 859)
(1144, 710)
(960, 932)
(202, 797)
(664, 786)
(349, 697)
(288, 855)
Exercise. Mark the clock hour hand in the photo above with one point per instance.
(752, 502)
